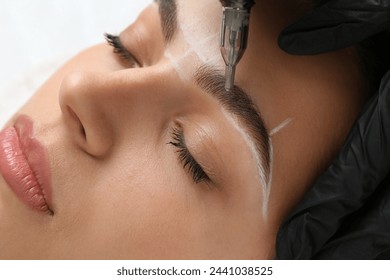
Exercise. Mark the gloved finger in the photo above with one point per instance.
(345, 186)
(366, 235)
(335, 25)
(385, 255)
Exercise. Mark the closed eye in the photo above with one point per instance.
(121, 51)
(185, 157)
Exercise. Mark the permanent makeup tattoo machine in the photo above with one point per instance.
(234, 35)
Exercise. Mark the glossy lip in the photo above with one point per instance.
(24, 165)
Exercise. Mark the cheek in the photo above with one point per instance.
(138, 206)
(151, 210)
(141, 204)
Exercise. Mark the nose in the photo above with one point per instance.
(86, 119)
(102, 108)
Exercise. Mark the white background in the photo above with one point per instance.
(37, 36)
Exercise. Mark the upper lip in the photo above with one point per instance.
(32, 162)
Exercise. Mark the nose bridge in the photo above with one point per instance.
(106, 89)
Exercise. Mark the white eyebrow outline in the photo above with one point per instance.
(274, 131)
(281, 126)
(265, 184)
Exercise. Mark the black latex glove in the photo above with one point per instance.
(336, 24)
(346, 214)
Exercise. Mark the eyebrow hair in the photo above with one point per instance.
(168, 17)
(240, 104)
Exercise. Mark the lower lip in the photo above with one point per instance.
(24, 165)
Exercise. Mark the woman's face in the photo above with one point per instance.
(151, 158)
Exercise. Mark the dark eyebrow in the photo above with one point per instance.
(238, 103)
(168, 17)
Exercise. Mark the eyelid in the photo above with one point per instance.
(187, 159)
(121, 51)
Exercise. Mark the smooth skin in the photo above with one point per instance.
(120, 191)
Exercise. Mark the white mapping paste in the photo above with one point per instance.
(280, 127)
(197, 39)
(264, 182)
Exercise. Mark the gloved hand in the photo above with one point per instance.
(336, 24)
(346, 214)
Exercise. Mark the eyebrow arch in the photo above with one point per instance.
(168, 17)
(238, 103)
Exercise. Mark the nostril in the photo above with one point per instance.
(77, 119)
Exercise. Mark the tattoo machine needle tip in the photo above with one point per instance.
(234, 35)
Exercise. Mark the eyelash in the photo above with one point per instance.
(119, 49)
(188, 161)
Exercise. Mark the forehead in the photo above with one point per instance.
(205, 14)
(197, 37)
